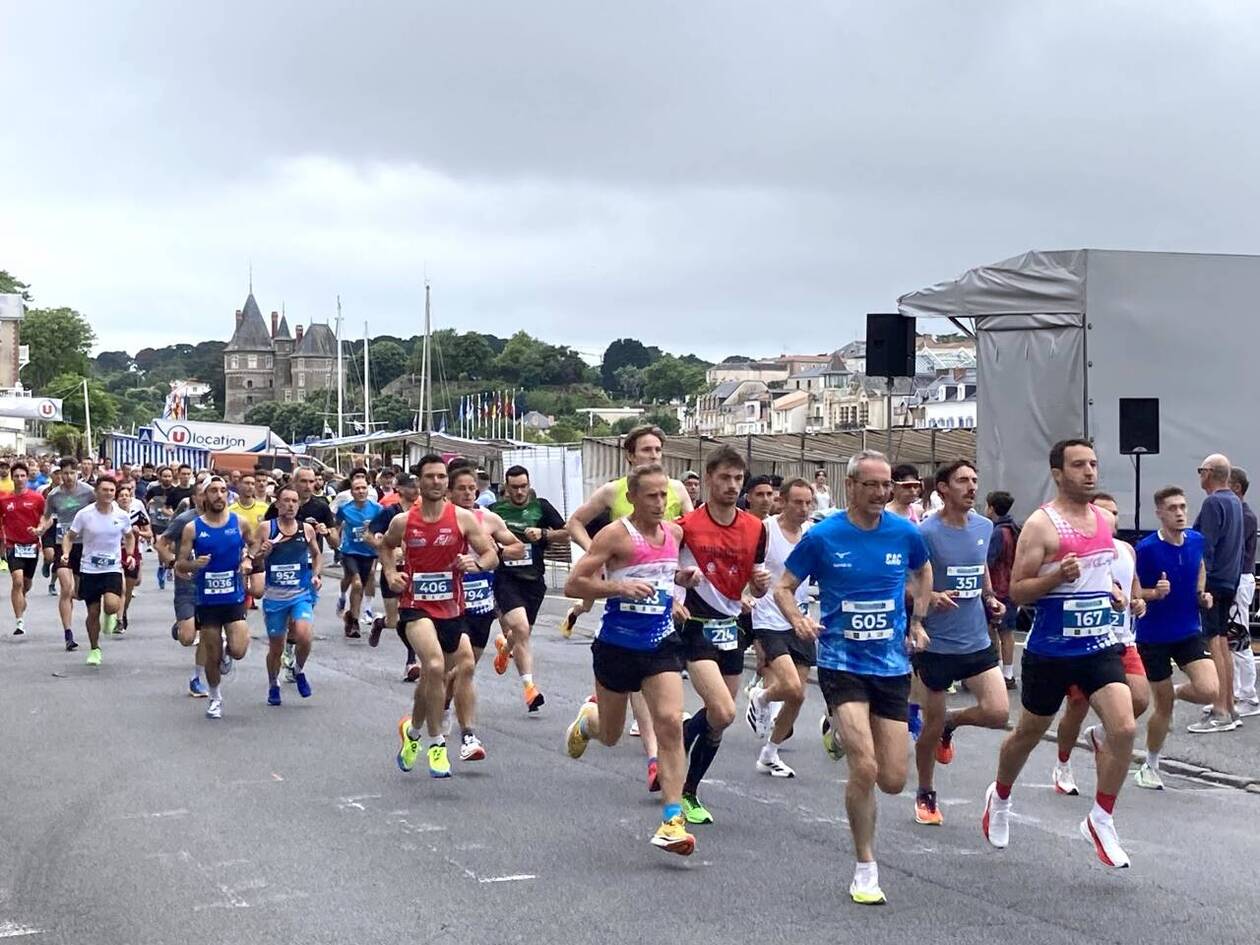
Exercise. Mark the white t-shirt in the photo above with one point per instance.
(822, 500)
(102, 534)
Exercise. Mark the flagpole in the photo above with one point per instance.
(87, 417)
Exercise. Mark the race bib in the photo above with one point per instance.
(219, 582)
(25, 551)
(433, 586)
(722, 634)
(1087, 617)
(478, 595)
(357, 533)
(285, 575)
(521, 562)
(868, 619)
(103, 561)
(661, 600)
(61, 531)
(965, 579)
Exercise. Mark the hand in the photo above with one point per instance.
(746, 605)
(1137, 607)
(1205, 600)
(465, 563)
(1069, 569)
(533, 534)
(917, 638)
(688, 577)
(266, 547)
(636, 590)
(997, 610)
(316, 582)
(760, 579)
(321, 529)
(201, 562)
(1162, 587)
(806, 627)
(680, 612)
(397, 582)
(1118, 600)
(944, 600)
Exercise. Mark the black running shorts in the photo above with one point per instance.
(888, 696)
(1045, 680)
(513, 592)
(219, 615)
(92, 587)
(620, 669)
(1157, 658)
(939, 671)
(448, 630)
(776, 643)
(696, 648)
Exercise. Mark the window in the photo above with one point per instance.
(270, 382)
(249, 383)
(249, 399)
(301, 380)
(251, 361)
(235, 362)
(267, 361)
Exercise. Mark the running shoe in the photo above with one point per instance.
(501, 655)
(566, 625)
(1101, 832)
(1147, 777)
(46, 569)
(341, 604)
(914, 721)
(758, 716)
(71, 646)
(1011, 685)
(1212, 724)
(775, 768)
(945, 747)
(109, 622)
(214, 709)
(303, 685)
(996, 822)
(175, 631)
(374, 637)
(831, 744)
(471, 748)
(1245, 708)
(574, 741)
(94, 656)
(925, 809)
(439, 764)
(412, 672)
(197, 689)
(694, 811)
(870, 895)
(122, 624)
(533, 698)
(161, 578)
(351, 627)
(1063, 780)
(653, 775)
(288, 661)
(273, 695)
(225, 663)
(410, 747)
(446, 720)
(672, 837)
(634, 728)
(19, 631)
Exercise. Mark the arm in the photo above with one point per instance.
(804, 626)
(1030, 554)
(510, 547)
(487, 559)
(317, 556)
(1205, 598)
(553, 525)
(921, 591)
(187, 566)
(391, 541)
(587, 580)
(996, 609)
(68, 540)
(586, 513)
(1212, 522)
(684, 498)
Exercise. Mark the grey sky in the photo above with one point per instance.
(717, 177)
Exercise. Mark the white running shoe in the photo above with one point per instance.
(1102, 834)
(1245, 708)
(1147, 777)
(634, 728)
(1063, 780)
(288, 662)
(1213, 724)
(471, 749)
(1093, 739)
(758, 716)
(446, 720)
(775, 768)
(225, 664)
(214, 709)
(996, 822)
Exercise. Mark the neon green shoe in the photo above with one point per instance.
(439, 764)
(575, 741)
(94, 657)
(694, 811)
(108, 623)
(831, 744)
(410, 746)
(867, 895)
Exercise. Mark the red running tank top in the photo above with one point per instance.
(434, 586)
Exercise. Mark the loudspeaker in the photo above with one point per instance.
(889, 346)
(1139, 425)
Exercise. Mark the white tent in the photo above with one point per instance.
(1061, 336)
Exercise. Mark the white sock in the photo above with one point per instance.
(201, 674)
(769, 753)
(412, 733)
(866, 874)
(527, 679)
(369, 604)
(1152, 760)
(214, 693)
(1099, 814)
(758, 696)
(1008, 670)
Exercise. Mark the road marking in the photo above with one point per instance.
(354, 801)
(506, 879)
(181, 812)
(14, 930)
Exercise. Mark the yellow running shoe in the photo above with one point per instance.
(867, 895)
(672, 837)
(439, 764)
(410, 746)
(575, 742)
(566, 625)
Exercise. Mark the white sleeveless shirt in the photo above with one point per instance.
(766, 614)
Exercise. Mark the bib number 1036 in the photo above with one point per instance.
(868, 619)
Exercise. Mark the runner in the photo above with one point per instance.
(1122, 571)
(479, 609)
(860, 558)
(643, 446)
(435, 536)
(634, 565)
(728, 546)
(285, 580)
(358, 557)
(163, 499)
(141, 530)
(408, 493)
(1246, 699)
(215, 555)
(691, 482)
(1063, 567)
(61, 505)
(184, 629)
(906, 493)
(48, 537)
(21, 512)
(250, 509)
(959, 647)
(787, 657)
(760, 497)
(98, 531)
(520, 585)
(1001, 558)
(1173, 577)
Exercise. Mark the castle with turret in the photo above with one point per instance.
(266, 363)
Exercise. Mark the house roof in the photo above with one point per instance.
(251, 334)
(283, 331)
(817, 370)
(318, 342)
(791, 400)
(725, 389)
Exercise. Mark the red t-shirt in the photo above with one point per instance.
(434, 586)
(725, 555)
(20, 512)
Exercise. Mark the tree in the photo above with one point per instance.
(736, 359)
(392, 413)
(111, 362)
(666, 421)
(262, 414)
(388, 361)
(563, 433)
(103, 404)
(64, 438)
(60, 339)
(670, 378)
(630, 381)
(624, 352)
(12, 285)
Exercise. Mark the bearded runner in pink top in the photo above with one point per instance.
(1063, 568)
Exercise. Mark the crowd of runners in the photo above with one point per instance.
(891, 600)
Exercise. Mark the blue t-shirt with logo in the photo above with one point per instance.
(861, 577)
(958, 558)
(356, 522)
(1176, 616)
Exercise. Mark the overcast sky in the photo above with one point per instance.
(718, 177)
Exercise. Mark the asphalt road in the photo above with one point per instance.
(127, 817)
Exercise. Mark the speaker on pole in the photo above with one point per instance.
(1139, 425)
(889, 345)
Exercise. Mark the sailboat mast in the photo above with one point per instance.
(367, 389)
(341, 374)
(428, 358)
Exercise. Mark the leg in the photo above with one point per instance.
(992, 708)
(426, 709)
(459, 665)
(1070, 722)
(853, 721)
(212, 650)
(275, 650)
(1161, 716)
(1140, 693)
(515, 624)
(793, 697)
(1114, 705)
(356, 595)
(111, 604)
(65, 602)
(704, 730)
(1018, 745)
(606, 719)
(933, 714)
(237, 633)
(1006, 646)
(17, 591)
(663, 694)
(301, 633)
(1223, 660)
(1203, 687)
(643, 715)
(94, 625)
